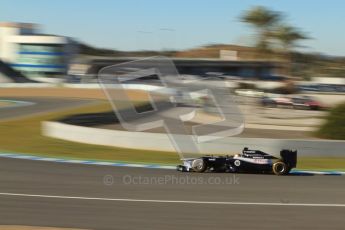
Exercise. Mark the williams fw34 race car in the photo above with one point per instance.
(249, 161)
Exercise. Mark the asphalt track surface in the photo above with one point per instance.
(40, 105)
(39, 193)
(100, 197)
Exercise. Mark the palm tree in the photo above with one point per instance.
(270, 28)
(263, 20)
(288, 36)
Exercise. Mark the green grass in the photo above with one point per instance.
(24, 136)
(321, 163)
(5, 103)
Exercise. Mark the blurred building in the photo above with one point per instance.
(36, 55)
(247, 70)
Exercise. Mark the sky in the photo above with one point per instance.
(176, 24)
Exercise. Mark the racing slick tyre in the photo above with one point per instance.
(280, 168)
(199, 165)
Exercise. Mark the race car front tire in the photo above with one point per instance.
(199, 165)
(181, 168)
(280, 168)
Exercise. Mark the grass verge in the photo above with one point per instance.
(24, 136)
(5, 104)
(321, 163)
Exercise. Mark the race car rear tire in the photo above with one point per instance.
(199, 165)
(280, 168)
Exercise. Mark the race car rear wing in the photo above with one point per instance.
(289, 157)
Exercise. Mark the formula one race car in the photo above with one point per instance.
(251, 161)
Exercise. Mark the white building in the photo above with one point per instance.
(34, 54)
